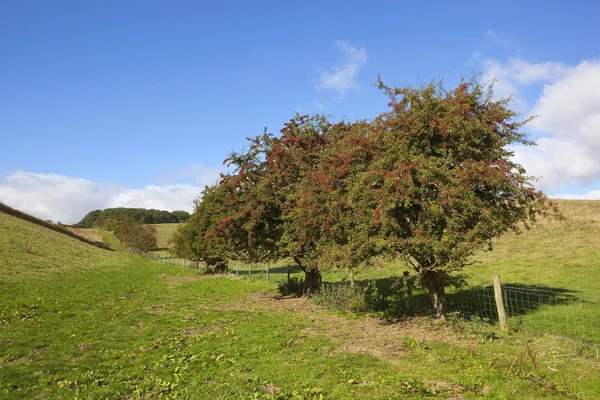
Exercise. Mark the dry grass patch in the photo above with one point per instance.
(174, 281)
(89, 234)
(365, 335)
(164, 234)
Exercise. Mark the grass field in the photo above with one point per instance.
(552, 269)
(164, 232)
(88, 233)
(81, 322)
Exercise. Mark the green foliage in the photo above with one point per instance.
(181, 216)
(134, 235)
(196, 240)
(215, 267)
(89, 220)
(430, 181)
(293, 287)
(341, 297)
(140, 215)
(262, 222)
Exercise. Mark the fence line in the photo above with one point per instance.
(572, 314)
(184, 262)
(560, 312)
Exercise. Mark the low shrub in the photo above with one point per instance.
(293, 287)
(211, 267)
(342, 297)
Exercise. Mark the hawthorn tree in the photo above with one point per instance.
(438, 180)
(197, 239)
(265, 191)
(342, 238)
(431, 180)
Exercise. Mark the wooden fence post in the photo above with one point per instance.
(267, 271)
(500, 303)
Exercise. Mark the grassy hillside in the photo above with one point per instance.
(29, 251)
(49, 225)
(164, 233)
(88, 233)
(556, 253)
(80, 322)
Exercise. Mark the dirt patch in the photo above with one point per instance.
(174, 281)
(156, 309)
(192, 331)
(366, 335)
(270, 389)
(83, 346)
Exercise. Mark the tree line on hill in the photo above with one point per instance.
(429, 181)
(140, 215)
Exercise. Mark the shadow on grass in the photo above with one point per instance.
(469, 301)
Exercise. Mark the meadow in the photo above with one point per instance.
(77, 321)
(164, 232)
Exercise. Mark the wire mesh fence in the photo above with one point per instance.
(561, 312)
(555, 311)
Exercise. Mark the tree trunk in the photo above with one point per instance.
(312, 281)
(434, 282)
(352, 281)
(221, 267)
(312, 278)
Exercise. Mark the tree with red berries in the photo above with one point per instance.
(439, 181)
(430, 181)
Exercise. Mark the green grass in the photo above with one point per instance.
(80, 322)
(164, 233)
(560, 256)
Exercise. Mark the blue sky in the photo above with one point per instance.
(131, 103)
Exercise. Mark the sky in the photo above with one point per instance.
(137, 103)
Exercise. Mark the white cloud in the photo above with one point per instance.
(568, 111)
(592, 195)
(53, 197)
(343, 77)
(170, 198)
(568, 118)
(511, 76)
(68, 199)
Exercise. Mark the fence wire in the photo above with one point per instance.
(567, 313)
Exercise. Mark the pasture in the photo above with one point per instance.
(77, 321)
(91, 234)
(164, 232)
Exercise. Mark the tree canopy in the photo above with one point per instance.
(198, 239)
(140, 215)
(134, 235)
(430, 181)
